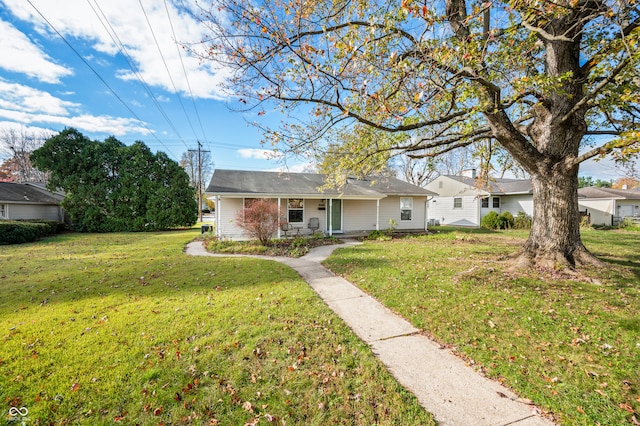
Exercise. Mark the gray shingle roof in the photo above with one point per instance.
(242, 182)
(499, 186)
(11, 192)
(592, 192)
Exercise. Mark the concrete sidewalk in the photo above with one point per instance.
(445, 386)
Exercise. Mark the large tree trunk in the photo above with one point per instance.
(554, 241)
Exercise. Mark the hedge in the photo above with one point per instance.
(26, 231)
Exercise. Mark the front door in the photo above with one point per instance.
(334, 215)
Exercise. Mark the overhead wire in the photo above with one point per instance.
(125, 53)
(142, 123)
(177, 93)
(184, 70)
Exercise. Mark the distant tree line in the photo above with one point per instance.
(111, 187)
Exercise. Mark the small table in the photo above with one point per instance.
(297, 229)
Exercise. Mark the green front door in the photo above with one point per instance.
(334, 215)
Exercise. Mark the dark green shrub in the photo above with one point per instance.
(522, 221)
(506, 220)
(490, 221)
(14, 232)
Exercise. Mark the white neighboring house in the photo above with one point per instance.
(462, 202)
(29, 201)
(606, 206)
(360, 206)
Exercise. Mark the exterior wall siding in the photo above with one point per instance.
(441, 209)
(390, 210)
(600, 211)
(359, 215)
(517, 203)
(33, 211)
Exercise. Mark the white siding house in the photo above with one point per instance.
(360, 206)
(606, 206)
(461, 201)
(29, 201)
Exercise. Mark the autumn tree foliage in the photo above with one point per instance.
(259, 219)
(111, 187)
(554, 83)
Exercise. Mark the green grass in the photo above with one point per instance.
(573, 347)
(125, 328)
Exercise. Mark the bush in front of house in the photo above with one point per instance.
(259, 220)
(19, 232)
(493, 220)
(507, 220)
(522, 221)
(490, 221)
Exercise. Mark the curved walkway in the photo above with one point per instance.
(445, 386)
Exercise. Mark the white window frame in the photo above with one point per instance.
(493, 202)
(457, 203)
(406, 205)
(485, 200)
(4, 210)
(296, 207)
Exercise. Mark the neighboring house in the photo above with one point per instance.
(462, 202)
(606, 206)
(359, 206)
(29, 201)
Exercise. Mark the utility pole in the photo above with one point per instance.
(199, 151)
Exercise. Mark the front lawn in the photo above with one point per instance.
(571, 346)
(126, 329)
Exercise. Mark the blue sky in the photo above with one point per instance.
(87, 81)
(45, 84)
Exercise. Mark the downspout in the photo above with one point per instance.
(378, 214)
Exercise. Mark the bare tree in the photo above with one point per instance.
(20, 144)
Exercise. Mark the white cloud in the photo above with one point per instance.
(21, 99)
(85, 20)
(259, 153)
(25, 105)
(22, 56)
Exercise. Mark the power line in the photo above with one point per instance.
(186, 77)
(143, 124)
(125, 53)
(166, 67)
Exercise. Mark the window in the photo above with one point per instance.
(485, 203)
(496, 202)
(295, 210)
(406, 208)
(457, 203)
(3, 210)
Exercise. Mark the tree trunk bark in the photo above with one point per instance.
(554, 241)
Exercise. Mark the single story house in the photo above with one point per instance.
(462, 202)
(360, 206)
(607, 206)
(29, 201)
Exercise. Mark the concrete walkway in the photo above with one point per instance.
(445, 386)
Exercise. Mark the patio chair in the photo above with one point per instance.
(286, 227)
(314, 224)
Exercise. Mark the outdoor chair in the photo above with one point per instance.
(314, 224)
(286, 227)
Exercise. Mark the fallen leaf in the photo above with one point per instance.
(248, 406)
(627, 407)
(75, 387)
(157, 411)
